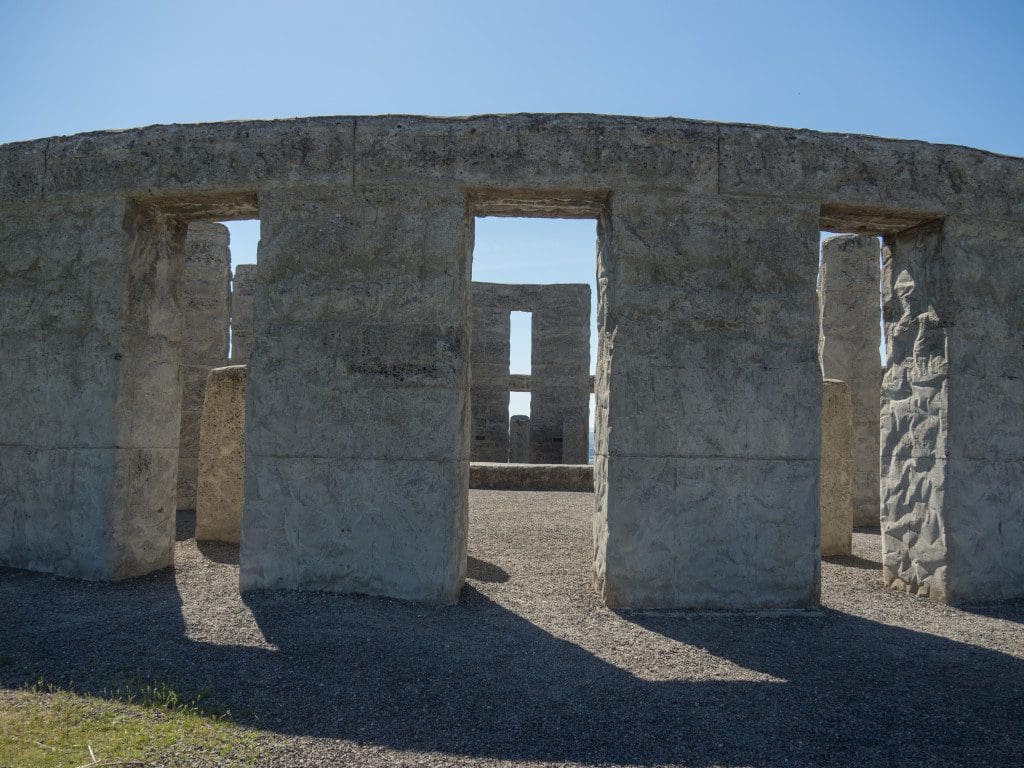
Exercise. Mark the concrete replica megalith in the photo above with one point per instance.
(242, 286)
(848, 291)
(836, 469)
(205, 309)
(221, 456)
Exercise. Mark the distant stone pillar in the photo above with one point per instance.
(848, 291)
(205, 302)
(836, 469)
(575, 442)
(242, 287)
(560, 368)
(490, 350)
(221, 456)
(519, 439)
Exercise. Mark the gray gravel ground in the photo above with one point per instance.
(530, 668)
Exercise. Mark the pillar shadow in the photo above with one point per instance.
(218, 551)
(853, 561)
(481, 570)
(185, 524)
(477, 680)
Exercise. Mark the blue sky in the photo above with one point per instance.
(938, 70)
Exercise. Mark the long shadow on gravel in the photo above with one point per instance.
(477, 680)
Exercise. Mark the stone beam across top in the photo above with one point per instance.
(861, 182)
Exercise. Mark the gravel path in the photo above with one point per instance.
(530, 668)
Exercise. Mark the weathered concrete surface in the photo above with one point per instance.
(90, 386)
(506, 476)
(358, 395)
(491, 349)
(708, 404)
(222, 456)
(243, 284)
(953, 411)
(708, 395)
(836, 468)
(560, 359)
(205, 300)
(848, 300)
(519, 439)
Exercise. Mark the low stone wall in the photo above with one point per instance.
(493, 476)
(221, 456)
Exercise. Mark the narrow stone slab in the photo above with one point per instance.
(836, 469)
(494, 476)
(221, 456)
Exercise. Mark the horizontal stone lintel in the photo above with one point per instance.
(523, 382)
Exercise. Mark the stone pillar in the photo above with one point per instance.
(242, 286)
(91, 388)
(560, 383)
(221, 456)
(519, 439)
(708, 404)
(848, 291)
(953, 411)
(836, 469)
(357, 412)
(490, 370)
(205, 300)
(575, 441)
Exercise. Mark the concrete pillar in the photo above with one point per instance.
(490, 370)
(519, 439)
(836, 469)
(560, 361)
(953, 411)
(575, 441)
(242, 286)
(205, 302)
(221, 456)
(848, 291)
(91, 388)
(708, 404)
(357, 412)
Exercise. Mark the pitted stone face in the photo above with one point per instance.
(243, 286)
(221, 456)
(205, 301)
(836, 469)
(850, 310)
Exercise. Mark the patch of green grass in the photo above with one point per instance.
(43, 726)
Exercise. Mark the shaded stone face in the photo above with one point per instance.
(848, 297)
(358, 428)
(205, 302)
(559, 380)
(221, 456)
(243, 285)
(836, 469)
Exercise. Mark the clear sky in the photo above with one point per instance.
(934, 70)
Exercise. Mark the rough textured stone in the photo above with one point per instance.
(504, 476)
(560, 359)
(708, 400)
(708, 404)
(836, 469)
(848, 300)
(222, 456)
(243, 285)
(205, 298)
(519, 439)
(360, 310)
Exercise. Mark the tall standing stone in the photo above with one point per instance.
(205, 300)
(242, 287)
(490, 329)
(848, 300)
(221, 456)
(708, 404)
(357, 407)
(836, 469)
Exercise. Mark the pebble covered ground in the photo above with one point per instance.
(530, 668)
